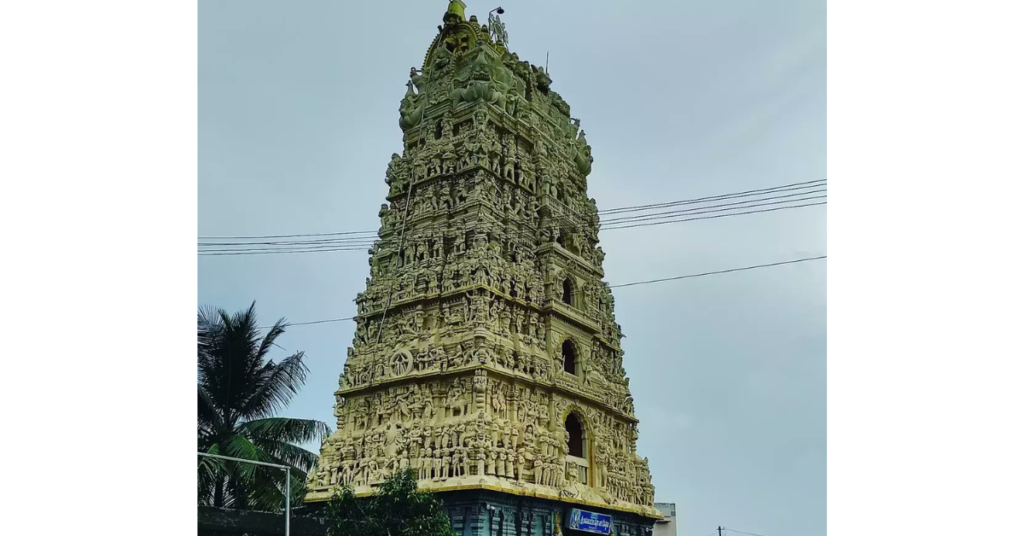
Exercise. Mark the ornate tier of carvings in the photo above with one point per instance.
(480, 429)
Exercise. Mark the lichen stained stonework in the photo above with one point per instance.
(486, 352)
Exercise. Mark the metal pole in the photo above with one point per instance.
(254, 462)
(287, 501)
(287, 484)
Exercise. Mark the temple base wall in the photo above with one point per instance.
(489, 513)
(472, 513)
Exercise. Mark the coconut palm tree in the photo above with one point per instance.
(240, 391)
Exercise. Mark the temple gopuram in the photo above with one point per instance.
(486, 355)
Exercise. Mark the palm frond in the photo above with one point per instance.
(278, 383)
(213, 473)
(209, 468)
(268, 340)
(208, 416)
(208, 324)
(288, 454)
(232, 372)
(267, 491)
(285, 429)
(239, 446)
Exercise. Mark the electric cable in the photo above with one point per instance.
(618, 210)
(619, 225)
(637, 283)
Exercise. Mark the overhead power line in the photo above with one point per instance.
(371, 235)
(703, 207)
(284, 236)
(667, 215)
(324, 248)
(573, 217)
(741, 532)
(774, 189)
(612, 223)
(327, 321)
(359, 240)
(729, 271)
(281, 251)
(651, 224)
(637, 283)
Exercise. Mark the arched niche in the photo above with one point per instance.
(570, 356)
(577, 458)
(576, 431)
(568, 292)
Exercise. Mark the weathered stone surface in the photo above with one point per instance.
(485, 323)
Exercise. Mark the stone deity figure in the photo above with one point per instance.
(465, 462)
(572, 475)
(458, 432)
(510, 463)
(542, 440)
(543, 470)
(491, 458)
(438, 462)
(425, 464)
(416, 79)
(394, 177)
(501, 459)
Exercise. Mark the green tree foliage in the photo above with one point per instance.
(240, 391)
(396, 509)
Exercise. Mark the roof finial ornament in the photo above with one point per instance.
(456, 10)
(497, 28)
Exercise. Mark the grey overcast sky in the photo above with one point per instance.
(298, 116)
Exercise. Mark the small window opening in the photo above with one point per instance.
(575, 430)
(569, 357)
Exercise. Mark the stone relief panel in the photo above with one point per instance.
(475, 429)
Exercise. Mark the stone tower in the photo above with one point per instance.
(486, 356)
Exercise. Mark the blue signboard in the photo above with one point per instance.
(590, 521)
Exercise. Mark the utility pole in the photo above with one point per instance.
(719, 531)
